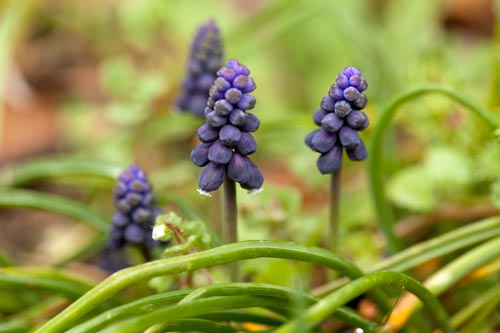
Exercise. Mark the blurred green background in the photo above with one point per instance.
(97, 80)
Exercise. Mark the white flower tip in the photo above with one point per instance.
(255, 191)
(159, 231)
(204, 192)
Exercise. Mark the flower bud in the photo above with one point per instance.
(230, 135)
(349, 137)
(207, 134)
(247, 144)
(247, 102)
(238, 117)
(219, 153)
(358, 152)
(357, 120)
(238, 168)
(332, 123)
(211, 177)
(330, 161)
(199, 155)
(251, 124)
(342, 108)
(323, 141)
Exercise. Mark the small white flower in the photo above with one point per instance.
(159, 231)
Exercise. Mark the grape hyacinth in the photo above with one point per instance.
(226, 139)
(205, 59)
(340, 118)
(136, 211)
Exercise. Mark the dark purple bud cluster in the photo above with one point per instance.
(205, 59)
(226, 139)
(340, 118)
(136, 210)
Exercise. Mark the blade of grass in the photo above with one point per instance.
(209, 258)
(56, 167)
(48, 202)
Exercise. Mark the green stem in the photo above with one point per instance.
(382, 207)
(51, 280)
(196, 325)
(231, 222)
(476, 307)
(460, 267)
(333, 216)
(287, 296)
(209, 258)
(56, 167)
(37, 200)
(322, 309)
(198, 307)
(434, 248)
(15, 327)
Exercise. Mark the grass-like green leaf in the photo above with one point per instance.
(48, 202)
(56, 167)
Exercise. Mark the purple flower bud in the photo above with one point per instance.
(199, 155)
(349, 71)
(318, 116)
(226, 131)
(351, 94)
(323, 141)
(332, 123)
(238, 68)
(215, 94)
(120, 220)
(357, 153)
(134, 234)
(247, 144)
(256, 178)
(238, 168)
(357, 120)
(360, 102)
(251, 124)
(205, 81)
(233, 95)
(205, 60)
(141, 215)
(207, 134)
(331, 161)
(238, 117)
(133, 199)
(223, 107)
(342, 81)
(327, 103)
(342, 108)
(349, 137)
(229, 135)
(221, 84)
(245, 83)
(247, 102)
(344, 123)
(214, 120)
(336, 93)
(211, 177)
(309, 137)
(136, 211)
(227, 73)
(219, 153)
(358, 82)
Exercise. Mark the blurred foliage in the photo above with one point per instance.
(137, 51)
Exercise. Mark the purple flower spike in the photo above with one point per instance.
(204, 61)
(136, 208)
(340, 118)
(225, 136)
